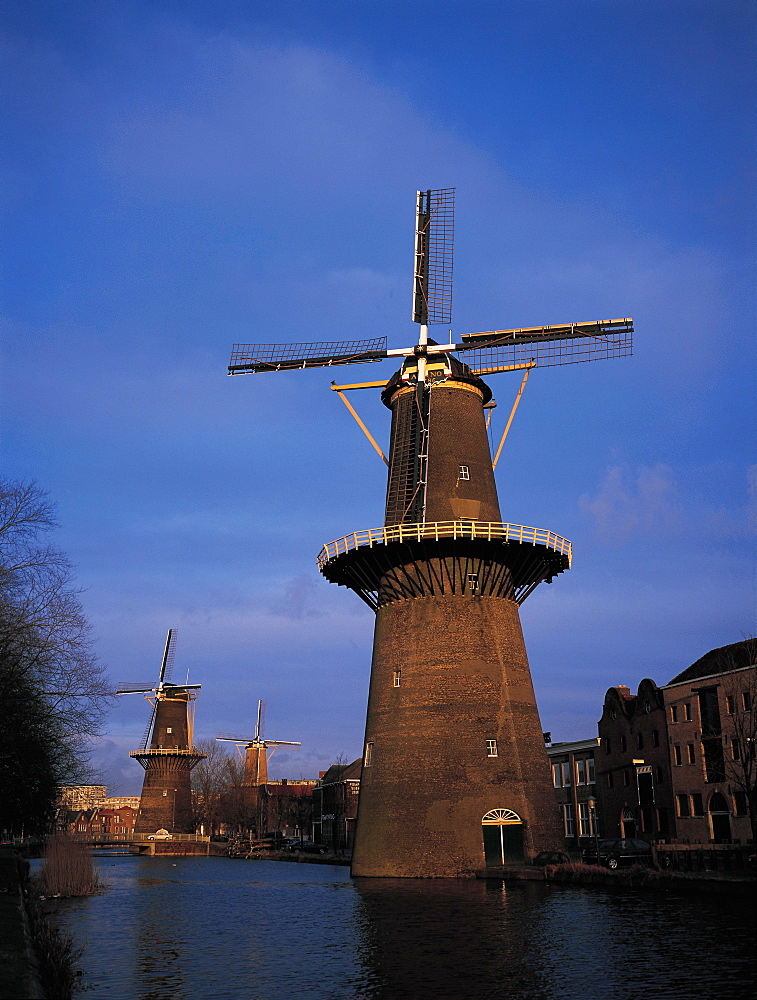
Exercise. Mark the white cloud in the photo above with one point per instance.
(630, 503)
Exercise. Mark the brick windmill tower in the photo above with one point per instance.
(256, 753)
(166, 753)
(455, 774)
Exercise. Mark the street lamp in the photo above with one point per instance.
(592, 803)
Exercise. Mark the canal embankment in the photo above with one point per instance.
(637, 877)
(19, 977)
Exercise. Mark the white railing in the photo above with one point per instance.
(437, 530)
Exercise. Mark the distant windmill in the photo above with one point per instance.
(256, 750)
(166, 752)
(455, 773)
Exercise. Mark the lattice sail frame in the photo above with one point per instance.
(434, 248)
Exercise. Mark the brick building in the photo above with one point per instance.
(574, 780)
(677, 763)
(335, 800)
(110, 824)
(711, 731)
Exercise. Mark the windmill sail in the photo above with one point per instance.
(166, 667)
(546, 346)
(434, 244)
(148, 730)
(259, 728)
(250, 358)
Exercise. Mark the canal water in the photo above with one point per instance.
(200, 928)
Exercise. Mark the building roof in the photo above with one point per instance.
(588, 744)
(343, 772)
(722, 660)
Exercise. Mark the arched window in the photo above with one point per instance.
(499, 816)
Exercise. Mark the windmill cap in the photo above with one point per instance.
(460, 373)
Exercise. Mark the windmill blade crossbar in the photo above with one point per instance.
(126, 688)
(547, 346)
(228, 738)
(251, 358)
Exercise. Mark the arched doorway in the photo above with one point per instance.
(628, 824)
(720, 820)
(503, 838)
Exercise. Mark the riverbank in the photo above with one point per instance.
(18, 965)
(636, 877)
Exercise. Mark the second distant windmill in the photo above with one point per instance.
(256, 750)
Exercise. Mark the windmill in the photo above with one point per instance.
(455, 773)
(256, 750)
(166, 751)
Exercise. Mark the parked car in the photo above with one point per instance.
(618, 853)
(551, 858)
(307, 847)
(161, 835)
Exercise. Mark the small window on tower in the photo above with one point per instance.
(464, 472)
(397, 678)
(368, 759)
(491, 748)
(169, 729)
(473, 583)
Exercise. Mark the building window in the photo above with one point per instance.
(692, 756)
(368, 759)
(677, 755)
(740, 802)
(626, 778)
(735, 749)
(674, 713)
(659, 776)
(568, 819)
(746, 701)
(639, 741)
(584, 820)
(473, 583)
(682, 804)
(687, 712)
(698, 805)
(655, 738)
(397, 678)
(463, 472)
(581, 772)
(590, 764)
(610, 781)
(557, 775)
(730, 704)
(169, 729)
(491, 748)
(608, 748)
(566, 774)
(623, 744)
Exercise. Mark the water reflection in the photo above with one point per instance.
(451, 938)
(236, 930)
(162, 938)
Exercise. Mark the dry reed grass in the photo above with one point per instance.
(67, 869)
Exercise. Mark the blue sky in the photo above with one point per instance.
(178, 177)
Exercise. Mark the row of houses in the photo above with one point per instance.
(672, 764)
(99, 823)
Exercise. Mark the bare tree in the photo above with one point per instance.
(52, 686)
(740, 750)
(210, 784)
